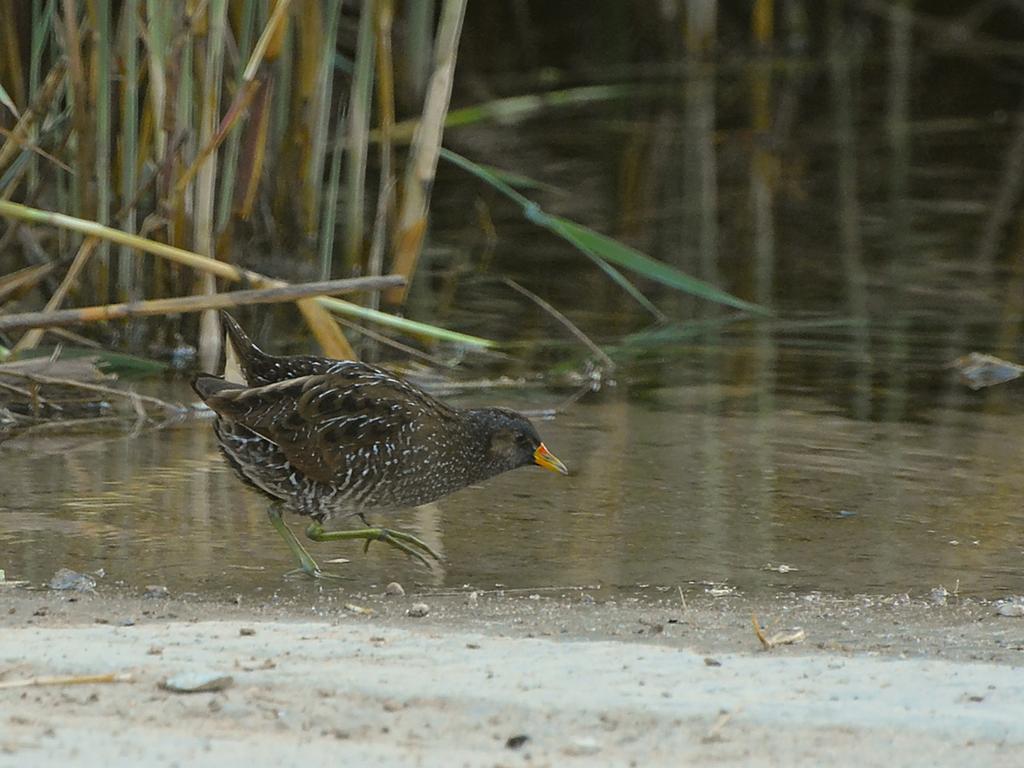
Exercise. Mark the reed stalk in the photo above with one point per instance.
(129, 276)
(386, 121)
(211, 53)
(229, 166)
(320, 142)
(101, 77)
(426, 146)
(419, 15)
(78, 97)
(331, 201)
(360, 99)
(42, 23)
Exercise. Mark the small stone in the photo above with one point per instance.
(938, 596)
(418, 610)
(156, 592)
(515, 742)
(587, 599)
(246, 631)
(394, 589)
(66, 579)
(710, 662)
(358, 609)
(197, 682)
(474, 597)
(582, 746)
(1010, 610)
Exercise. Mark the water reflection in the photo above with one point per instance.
(692, 479)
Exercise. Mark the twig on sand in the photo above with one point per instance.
(786, 637)
(32, 682)
(715, 731)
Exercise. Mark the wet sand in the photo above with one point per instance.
(635, 679)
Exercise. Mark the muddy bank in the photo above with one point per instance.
(616, 682)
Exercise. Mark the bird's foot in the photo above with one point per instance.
(313, 572)
(307, 565)
(411, 545)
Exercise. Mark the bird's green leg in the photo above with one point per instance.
(404, 542)
(307, 564)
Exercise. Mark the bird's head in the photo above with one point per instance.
(512, 441)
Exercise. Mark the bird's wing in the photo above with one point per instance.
(324, 424)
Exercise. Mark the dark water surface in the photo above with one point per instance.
(872, 204)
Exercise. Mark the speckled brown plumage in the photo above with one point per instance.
(328, 437)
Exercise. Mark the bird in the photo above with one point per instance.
(325, 438)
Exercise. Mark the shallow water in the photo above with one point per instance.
(703, 478)
(828, 448)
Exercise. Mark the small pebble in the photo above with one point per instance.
(197, 682)
(156, 592)
(515, 742)
(246, 631)
(710, 662)
(418, 610)
(66, 579)
(582, 746)
(394, 589)
(1011, 610)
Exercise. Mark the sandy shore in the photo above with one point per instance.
(623, 682)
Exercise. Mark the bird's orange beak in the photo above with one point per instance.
(542, 457)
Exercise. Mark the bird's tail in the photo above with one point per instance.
(239, 352)
(207, 386)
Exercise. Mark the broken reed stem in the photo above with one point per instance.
(97, 314)
(387, 341)
(239, 106)
(565, 321)
(98, 388)
(23, 279)
(31, 339)
(28, 395)
(230, 272)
